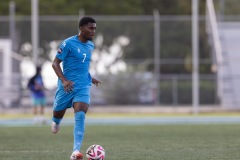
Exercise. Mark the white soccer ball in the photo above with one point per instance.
(95, 152)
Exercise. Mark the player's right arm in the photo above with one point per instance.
(68, 85)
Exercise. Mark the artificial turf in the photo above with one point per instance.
(125, 142)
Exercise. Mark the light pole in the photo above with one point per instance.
(195, 57)
(157, 54)
(35, 31)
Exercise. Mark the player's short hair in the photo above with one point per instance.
(85, 20)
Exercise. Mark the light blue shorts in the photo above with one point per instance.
(65, 100)
(39, 101)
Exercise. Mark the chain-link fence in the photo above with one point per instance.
(124, 57)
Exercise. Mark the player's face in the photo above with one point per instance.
(88, 31)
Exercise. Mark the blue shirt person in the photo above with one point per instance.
(37, 94)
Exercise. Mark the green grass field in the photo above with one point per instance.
(125, 142)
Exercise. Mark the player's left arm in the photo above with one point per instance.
(96, 82)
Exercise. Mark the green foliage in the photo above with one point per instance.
(103, 7)
(230, 7)
(115, 7)
(207, 93)
(124, 88)
(127, 88)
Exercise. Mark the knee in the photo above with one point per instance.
(79, 116)
(58, 115)
(80, 106)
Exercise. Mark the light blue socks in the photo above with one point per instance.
(79, 129)
(56, 120)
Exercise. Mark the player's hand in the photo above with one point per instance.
(96, 82)
(68, 86)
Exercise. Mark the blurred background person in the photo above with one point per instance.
(38, 98)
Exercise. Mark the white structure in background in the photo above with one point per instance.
(224, 37)
(6, 66)
(230, 36)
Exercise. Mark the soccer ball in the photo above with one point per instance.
(95, 152)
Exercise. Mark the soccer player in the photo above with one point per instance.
(74, 81)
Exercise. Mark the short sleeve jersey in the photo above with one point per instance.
(76, 57)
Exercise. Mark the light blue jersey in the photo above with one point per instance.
(76, 57)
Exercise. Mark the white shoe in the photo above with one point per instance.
(76, 155)
(55, 127)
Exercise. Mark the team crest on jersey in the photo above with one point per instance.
(59, 50)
